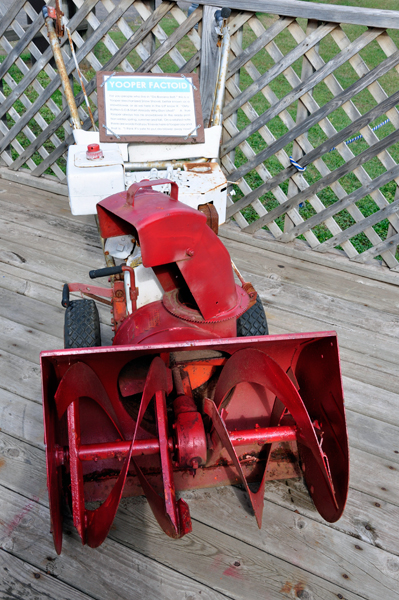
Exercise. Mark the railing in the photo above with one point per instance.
(304, 80)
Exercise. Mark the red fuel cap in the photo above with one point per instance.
(94, 152)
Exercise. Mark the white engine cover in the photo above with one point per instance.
(90, 181)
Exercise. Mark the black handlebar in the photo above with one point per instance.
(105, 272)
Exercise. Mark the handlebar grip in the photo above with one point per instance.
(65, 296)
(105, 272)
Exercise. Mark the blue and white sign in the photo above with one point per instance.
(149, 106)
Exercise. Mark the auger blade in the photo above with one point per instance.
(254, 366)
(172, 516)
(100, 520)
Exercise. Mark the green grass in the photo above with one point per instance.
(372, 55)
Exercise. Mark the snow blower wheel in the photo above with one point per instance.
(82, 325)
(253, 321)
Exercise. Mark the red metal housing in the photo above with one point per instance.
(179, 402)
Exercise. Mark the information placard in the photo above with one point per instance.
(148, 107)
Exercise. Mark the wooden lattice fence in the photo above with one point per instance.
(303, 79)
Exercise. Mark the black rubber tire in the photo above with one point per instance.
(82, 325)
(253, 321)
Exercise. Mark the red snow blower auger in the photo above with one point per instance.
(180, 402)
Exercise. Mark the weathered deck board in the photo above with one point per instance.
(296, 554)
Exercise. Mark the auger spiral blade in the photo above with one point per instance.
(327, 486)
(173, 516)
(79, 383)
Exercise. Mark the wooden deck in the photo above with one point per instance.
(295, 555)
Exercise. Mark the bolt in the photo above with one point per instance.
(190, 252)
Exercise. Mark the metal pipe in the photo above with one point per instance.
(56, 48)
(248, 437)
(144, 166)
(220, 87)
(81, 79)
(237, 272)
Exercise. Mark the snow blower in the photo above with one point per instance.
(192, 393)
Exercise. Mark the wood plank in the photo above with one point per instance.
(327, 552)
(22, 418)
(49, 202)
(375, 476)
(24, 531)
(370, 367)
(370, 17)
(373, 436)
(304, 87)
(209, 62)
(20, 377)
(22, 303)
(298, 249)
(57, 227)
(41, 183)
(26, 341)
(205, 554)
(365, 518)
(22, 580)
(372, 401)
(251, 563)
(320, 307)
(286, 269)
(72, 263)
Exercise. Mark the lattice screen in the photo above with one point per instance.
(34, 127)
(284, 103)
(296, 87)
